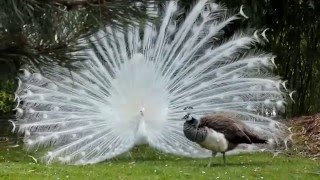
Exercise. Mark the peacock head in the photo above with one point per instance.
(188, 117)
(142, 111)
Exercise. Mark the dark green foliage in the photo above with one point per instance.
(6, 105)
(6, 96)
(294, 35)
(46, 31)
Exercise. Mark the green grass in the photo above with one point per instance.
(16, 164)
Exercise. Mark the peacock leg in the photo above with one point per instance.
(130, 155)
(212, 156)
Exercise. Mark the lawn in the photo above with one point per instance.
(149, 164)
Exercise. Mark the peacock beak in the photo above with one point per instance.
(142, 111)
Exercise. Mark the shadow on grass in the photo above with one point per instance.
(248, 164)
(149, 158)
(156, 158)
(141, 156)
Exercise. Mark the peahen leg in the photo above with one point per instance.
(212, 156)
(224, 158)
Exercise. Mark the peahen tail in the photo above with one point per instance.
(256, 139)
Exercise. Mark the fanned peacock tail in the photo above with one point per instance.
(135, 83)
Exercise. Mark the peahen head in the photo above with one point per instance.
(188, 117)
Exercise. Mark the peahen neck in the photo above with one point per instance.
(192, 132)
(194, 122)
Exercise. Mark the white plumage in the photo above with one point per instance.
(135, 83)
